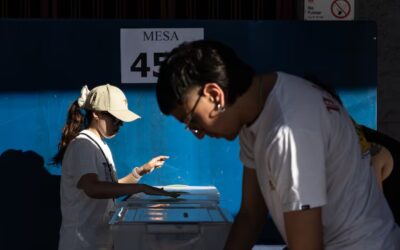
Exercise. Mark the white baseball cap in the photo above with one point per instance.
(111, 99)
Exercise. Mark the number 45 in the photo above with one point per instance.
(140, 63)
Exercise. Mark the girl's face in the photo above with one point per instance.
(106, 124)
(201, 115)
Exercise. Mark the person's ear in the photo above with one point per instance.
(95, 115)
(214, 93)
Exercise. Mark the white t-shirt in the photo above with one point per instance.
(306, 153)
(84, 219)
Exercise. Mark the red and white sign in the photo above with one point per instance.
(317, 10)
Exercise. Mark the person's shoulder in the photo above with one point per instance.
(284, 75)
(291, 82)
(82, 143)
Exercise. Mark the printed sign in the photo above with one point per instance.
(143, 50)
(328, 10)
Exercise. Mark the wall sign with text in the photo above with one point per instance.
(143, 50)
(316, 10)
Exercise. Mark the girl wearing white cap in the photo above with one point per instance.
(89, 182)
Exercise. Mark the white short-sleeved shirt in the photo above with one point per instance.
(306, 153)
(84, 219)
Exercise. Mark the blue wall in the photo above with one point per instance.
(45, 63)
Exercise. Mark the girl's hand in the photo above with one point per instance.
(154, 163)
(159, 191)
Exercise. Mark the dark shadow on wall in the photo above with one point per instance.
(30, 207)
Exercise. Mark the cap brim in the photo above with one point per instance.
(124, 115)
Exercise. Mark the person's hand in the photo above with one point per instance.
(159, 191)
(154, 163)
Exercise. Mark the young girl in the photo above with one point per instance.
(301, 155)
(89, 181)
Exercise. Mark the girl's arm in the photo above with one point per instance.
(97, 189)
(137, 172)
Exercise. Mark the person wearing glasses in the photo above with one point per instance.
(89, 182)
(301, 154)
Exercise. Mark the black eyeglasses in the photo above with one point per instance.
(189, 117)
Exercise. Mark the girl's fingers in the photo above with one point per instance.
(163, 157)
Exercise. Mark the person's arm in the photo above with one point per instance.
(137, 172)
(382, 161)
(304, 229)
(97, 189)
(251, 217)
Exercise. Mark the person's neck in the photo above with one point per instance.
(251, 104)
(95, 132)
